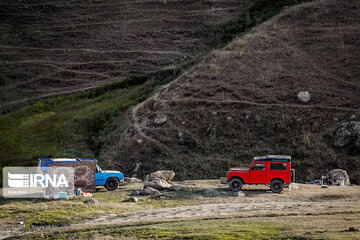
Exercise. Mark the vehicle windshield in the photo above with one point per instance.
(98, 169)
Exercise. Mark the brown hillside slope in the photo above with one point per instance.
(241, 101)
(51, 47)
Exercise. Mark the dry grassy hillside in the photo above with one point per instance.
(50, 47)
(241, 100)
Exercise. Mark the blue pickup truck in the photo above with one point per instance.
(106, 178)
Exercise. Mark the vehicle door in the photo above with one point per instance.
(99, 176)
(257, 173)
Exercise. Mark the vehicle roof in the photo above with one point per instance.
(273, 157)
(66, 159)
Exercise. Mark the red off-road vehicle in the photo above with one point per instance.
(271, 169)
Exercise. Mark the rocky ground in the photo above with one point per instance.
(307, 211)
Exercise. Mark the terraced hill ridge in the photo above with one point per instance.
(51, 47)
(241, 101)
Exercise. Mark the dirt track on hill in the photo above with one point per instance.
(51, 47)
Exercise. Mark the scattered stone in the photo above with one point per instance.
(180, 134)
(224, 193)
(150, 191)
(299, 119)
(139, 141)
(132, 180)
(336, 119)
(160, 120)
(163, 174)
(92, 201)
(324, 187)
(238, 194)
(294, 186)
(304, 96)
(157, 183)
(132, 199)
(214, 113)
(183, 123)
(352, 118)
(229, 118)
(223, 180)
(211, 192)
(162, 197)
(21, 223)
(346, 134)
(335, 173)
(247, 116)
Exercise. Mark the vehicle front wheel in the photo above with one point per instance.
(276, 186)
(112, 184)
(235, 184)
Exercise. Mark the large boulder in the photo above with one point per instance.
(304, 96)
(335, 173)
(163, 174)
(157, 183)
(347, 134)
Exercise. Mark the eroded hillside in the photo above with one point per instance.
(241, 100)
(50, 47)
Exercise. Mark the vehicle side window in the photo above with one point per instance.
(258, 166)
(277, 166)
(98, 169)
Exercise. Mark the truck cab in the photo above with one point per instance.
(274, 170)
(107, 178)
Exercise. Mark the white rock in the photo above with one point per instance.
(304, 96)
(180, 134)
(139, 141)
(132, 199)
(160, 120)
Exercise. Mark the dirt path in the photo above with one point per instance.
(258, 202)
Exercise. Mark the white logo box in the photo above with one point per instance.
(32, 182)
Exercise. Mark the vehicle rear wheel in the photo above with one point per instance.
(235, 184)
(276, 186)
(112, 184)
